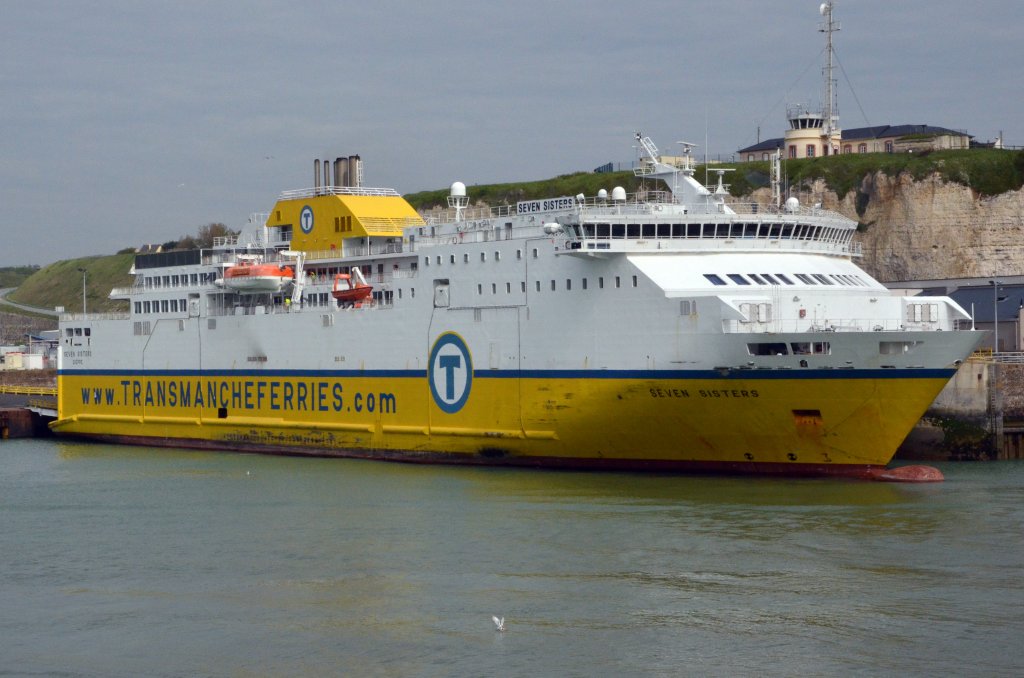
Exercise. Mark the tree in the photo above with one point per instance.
(206, 234)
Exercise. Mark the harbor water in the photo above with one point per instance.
(121, 561)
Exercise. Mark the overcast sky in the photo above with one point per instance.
(127, 122)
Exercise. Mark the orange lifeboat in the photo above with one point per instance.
(253, 277)
(349, 292)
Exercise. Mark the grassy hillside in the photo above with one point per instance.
(12, 276)
(60, 284)
(987, 171)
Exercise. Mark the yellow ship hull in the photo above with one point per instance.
(818, 422)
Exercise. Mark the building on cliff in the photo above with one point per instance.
(875, 139)
(813, 134)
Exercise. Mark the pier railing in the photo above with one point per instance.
(833, 325)
(28, 390)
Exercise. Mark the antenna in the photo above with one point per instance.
(831, 112)
(776, 178)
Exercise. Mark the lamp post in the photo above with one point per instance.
(83, 272)
(997, 404)
(995, 313)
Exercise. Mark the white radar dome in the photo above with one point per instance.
(792, 205)
(602, 194)
(458, 189)
(619, 193)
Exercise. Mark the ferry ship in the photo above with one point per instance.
(670, 330)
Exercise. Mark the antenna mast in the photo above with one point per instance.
(828, 27)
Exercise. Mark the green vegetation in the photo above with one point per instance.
(203, 239)
(985, 170)
(60, 284)
(586, 183)
(963, 440)
(12, 276)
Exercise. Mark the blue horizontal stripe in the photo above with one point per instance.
(651, 375)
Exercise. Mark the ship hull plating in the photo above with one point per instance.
(820, 422)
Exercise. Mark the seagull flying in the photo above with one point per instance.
(499, 623)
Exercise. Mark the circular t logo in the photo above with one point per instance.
(306, 219)
(450, 372)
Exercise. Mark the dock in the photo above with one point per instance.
(25, 411)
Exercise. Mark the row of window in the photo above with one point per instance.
(483, 257)
(161, 306)
(783, 279)
(185, 279)
(811, 150)
(847, 150)
(584, 284)
(729, 230)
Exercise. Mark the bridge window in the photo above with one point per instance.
(738, 279)
(784, 278)
(715, 280)
(758, 279)
(822, 279)
(805, 279)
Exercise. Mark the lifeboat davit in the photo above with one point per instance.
(349, 292)
(258, 277)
